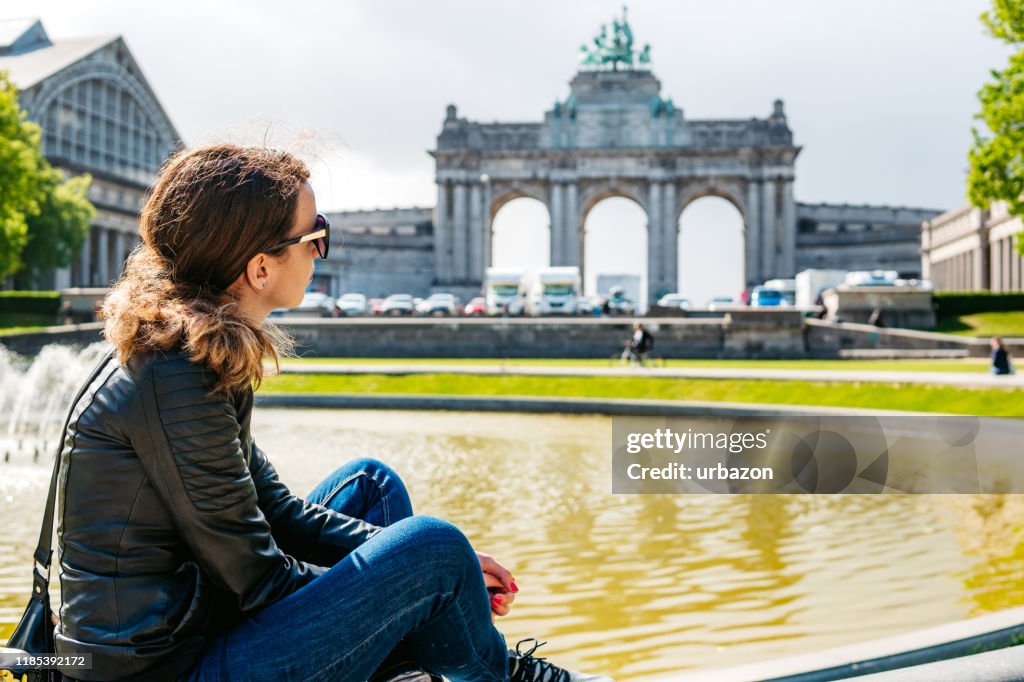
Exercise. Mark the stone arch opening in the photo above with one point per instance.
(615, 246)
(711, 258)
(520, 232)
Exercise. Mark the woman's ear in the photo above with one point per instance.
(257, 273)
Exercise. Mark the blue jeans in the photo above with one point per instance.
(415, 586)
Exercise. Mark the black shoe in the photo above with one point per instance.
(523, 666)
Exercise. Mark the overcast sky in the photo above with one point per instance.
(879, 93)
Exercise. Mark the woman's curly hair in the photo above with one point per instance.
(211, 210)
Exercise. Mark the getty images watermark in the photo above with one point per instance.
(831, 454)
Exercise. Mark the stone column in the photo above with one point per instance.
(996, 266)
(573, 246)
(1016, 284)
(1007, 266)
(557, 222)
(656, 230)
(62, 278)
(475, 236)
(670, 238)
(102, 257)
(978, 271)
(460, 216)
(768, 230)
(486, 251)
(442, 236)
(85, 263)
(787, 232)
(752, 234)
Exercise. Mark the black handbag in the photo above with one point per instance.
(34, 633)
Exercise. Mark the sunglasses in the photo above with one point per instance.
(320, 236)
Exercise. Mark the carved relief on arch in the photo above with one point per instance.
(732, 191)
(594, 192)
(504, 191)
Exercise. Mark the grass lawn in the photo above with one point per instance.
(964, 365)
(1010, 323)
(923, 398)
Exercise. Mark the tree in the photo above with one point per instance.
(997, 161)
(20, 179)
(43, 218)
(58, 230)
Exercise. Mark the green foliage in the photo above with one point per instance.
(1006, 20)
(20, 181)
(60, 228)
(957, 303)
(997, 161)
(30, 302)
(43, 218)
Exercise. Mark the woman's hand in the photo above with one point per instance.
(500, 585)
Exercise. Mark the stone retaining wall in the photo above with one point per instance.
(778, 333)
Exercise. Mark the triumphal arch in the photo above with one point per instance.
(615, 135)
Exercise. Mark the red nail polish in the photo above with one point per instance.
(515, 588)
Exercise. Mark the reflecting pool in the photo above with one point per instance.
(638, 586)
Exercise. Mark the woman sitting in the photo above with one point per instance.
(182, 555)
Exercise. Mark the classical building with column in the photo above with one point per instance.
(382, 252)
(860, 237)
(614, 135)
(970, 249)
(99, 116)
(617, 135)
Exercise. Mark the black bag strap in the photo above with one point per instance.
(44, 549)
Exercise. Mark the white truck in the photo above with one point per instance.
(810, 283)
(505, 291)
(556, 291)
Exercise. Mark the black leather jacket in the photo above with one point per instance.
(171, 523)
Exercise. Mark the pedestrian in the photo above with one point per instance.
(1000, 357)
(67, 313)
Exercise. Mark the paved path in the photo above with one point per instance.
(963, 379)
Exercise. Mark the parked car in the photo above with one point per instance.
(674, 300)
(375, 305)
(352, 304)
(588, 305)
(476, 307)
(440, 304)
(314, 304)
(720, 302)
(872, 278)
(398, 304)
(763, 297)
